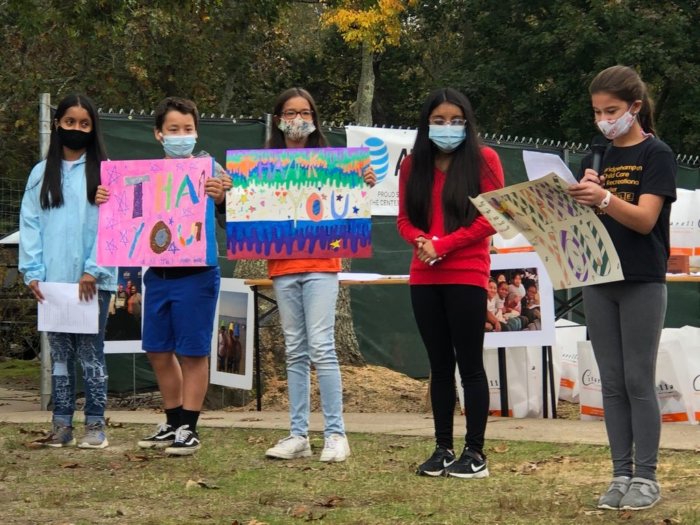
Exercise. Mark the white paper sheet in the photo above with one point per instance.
(538, 165)
(62, 311)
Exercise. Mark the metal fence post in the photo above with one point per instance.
(268, 127)
(44, 124)
(44, 138)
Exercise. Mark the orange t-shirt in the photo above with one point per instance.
(278, 267)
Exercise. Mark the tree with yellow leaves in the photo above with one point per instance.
(372, 26)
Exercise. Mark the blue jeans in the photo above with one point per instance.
(306, 304)
(88, 349)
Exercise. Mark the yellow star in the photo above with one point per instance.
(335, 244)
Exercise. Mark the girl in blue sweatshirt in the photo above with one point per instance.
(58, 234)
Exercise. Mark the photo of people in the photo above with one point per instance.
(229, 345)
(513, 302)
(520, 302)
(124, 321)
(231, 362)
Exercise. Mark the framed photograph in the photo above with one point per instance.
(232, 344)
(124, 321)
(520, 302)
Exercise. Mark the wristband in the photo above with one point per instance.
(606, 200)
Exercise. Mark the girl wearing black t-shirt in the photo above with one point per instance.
(633, 193)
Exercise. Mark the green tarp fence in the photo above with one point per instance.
(382, 314)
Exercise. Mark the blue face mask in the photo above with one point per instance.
(447, 138)
(179, 146)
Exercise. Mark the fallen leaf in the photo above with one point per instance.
(256, 522)
(330, 502)
(528, 468)
(500, 448)
(255, 439)
(33, 432)
(34, 444)
(300, 511)
(594, 512)
(397, 446)
(200, 483)
(70, 465)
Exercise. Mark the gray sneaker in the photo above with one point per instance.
(611, 498)
(61, 436)
(95, 436)
(642, 494)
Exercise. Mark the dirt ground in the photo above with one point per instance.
(365, 389)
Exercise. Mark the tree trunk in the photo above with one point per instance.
(365, 90)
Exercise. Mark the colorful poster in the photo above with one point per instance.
(158, 214)
(571, 241)
(298, 203)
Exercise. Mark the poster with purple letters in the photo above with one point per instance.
(292, 203)
(158, 213)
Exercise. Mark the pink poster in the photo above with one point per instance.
(158, 214)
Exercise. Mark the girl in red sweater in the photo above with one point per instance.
(450, 268)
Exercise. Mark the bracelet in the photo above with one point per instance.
(606, 200)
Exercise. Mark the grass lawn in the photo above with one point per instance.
(229, 481)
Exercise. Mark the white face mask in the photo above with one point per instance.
(617, 127)
(296, 129)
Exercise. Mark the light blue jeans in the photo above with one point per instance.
(306, 304)
(88, 350)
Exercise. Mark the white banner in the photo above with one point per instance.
(387, 149)
(685, 225)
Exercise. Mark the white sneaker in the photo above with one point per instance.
(291, 447)
(335, 448)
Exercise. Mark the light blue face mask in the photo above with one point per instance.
(179, 146)
(447, 138)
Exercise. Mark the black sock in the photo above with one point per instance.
(189, 417)
(173, 416)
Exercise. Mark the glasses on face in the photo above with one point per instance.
(439, 121)
(291, 114)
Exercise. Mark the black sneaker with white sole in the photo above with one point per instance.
(436, 464)
(469, 465)
(186, 442)
(164, 436)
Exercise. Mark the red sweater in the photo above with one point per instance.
(465, 250)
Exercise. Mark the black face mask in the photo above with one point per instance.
(74, 139)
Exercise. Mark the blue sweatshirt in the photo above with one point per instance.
(59, 244)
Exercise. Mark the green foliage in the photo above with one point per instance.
(524, 64)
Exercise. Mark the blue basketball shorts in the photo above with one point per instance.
(178, 312)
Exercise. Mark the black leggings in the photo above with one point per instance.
(451, 321)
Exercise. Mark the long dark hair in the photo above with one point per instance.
(51, 195)
(625, 83)
(463, 174)
(276, 140)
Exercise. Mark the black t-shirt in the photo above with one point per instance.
(647, 167)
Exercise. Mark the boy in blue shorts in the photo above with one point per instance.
(180, 303)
